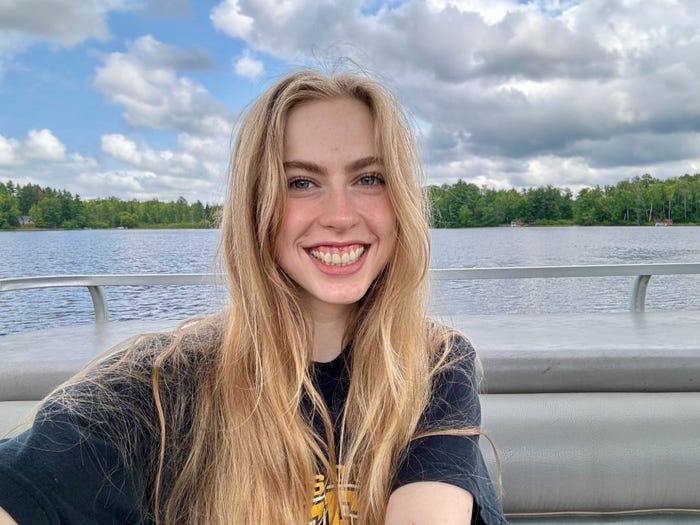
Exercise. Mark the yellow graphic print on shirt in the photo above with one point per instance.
(330, 509)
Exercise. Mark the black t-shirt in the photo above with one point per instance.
(63, 471)
(456, 460)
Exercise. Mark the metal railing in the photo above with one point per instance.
(641, 272)
(96, 283)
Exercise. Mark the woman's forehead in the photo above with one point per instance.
(325, 130)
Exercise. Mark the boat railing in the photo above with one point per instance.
(95, 283)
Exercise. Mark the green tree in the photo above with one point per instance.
(9, 210)
(588, 208)
(547, 203)
(654, 198)
(181, 211)
(47, 213)
(128, 220)
(28, 196)
(457, 204)
(77, 217)
(197, 211)
(151, 212)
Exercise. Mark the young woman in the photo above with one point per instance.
(322, 394)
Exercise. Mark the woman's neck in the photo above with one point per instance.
(329, 328)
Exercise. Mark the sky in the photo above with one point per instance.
(138, 99)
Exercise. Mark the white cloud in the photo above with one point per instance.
(205, 148)
(573, 172)
(573, 90)
(129, 182)
(246, 66)
(492, 11)
(197, 171)
(145, 185)
(40, 145)
(447, 41)
(43, 145)
(476, 170)
(41, 158)
(563, 92)
(8, 151)
(121, 148)
(144, 81)
(65, 23)
(150, 52)
(227, 17)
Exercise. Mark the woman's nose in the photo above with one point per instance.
(339, 210)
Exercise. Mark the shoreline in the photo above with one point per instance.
(189, 226)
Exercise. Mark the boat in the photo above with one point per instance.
(595, 416)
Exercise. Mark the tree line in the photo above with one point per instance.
(52, 208)
(638, 201)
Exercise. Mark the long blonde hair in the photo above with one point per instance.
(233, 443)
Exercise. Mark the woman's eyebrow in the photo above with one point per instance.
(304, 165)
(312, 167)
(364, 162)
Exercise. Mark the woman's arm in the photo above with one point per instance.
(429, 503)
(5, 518)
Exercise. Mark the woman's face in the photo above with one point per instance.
(339, 227)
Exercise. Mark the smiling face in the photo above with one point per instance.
(339, 227)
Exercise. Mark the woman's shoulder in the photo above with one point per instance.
(189, 347)
(120, 383)
(447, 344)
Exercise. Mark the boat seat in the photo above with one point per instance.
(34, 363)
(596, 417)
(620, 351)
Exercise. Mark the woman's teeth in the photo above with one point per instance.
(338, 259)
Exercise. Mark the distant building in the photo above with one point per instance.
(25, 220)
(665, 222)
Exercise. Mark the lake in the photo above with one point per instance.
(188, 251)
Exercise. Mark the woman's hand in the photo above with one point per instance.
(429, 503)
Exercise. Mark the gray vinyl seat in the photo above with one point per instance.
(596, 417)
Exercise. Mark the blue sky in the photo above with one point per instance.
(138, 98)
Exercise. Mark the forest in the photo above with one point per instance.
(638, 201)
(641, 200)
(51, 208)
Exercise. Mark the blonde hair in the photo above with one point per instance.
(234, 444)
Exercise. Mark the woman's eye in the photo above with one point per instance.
(370, 180)
(300, 184)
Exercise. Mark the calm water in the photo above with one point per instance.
(179, 251)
